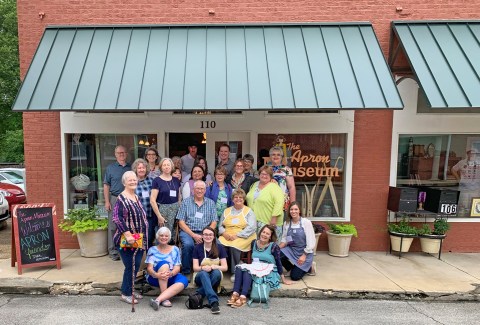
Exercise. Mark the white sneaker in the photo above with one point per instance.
(232, 278)
(313, 269)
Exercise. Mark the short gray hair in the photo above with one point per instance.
(171, 164)
(163, 231)
(276, 148)
(126, 175)
(139, 161)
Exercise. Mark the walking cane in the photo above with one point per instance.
(133, 280)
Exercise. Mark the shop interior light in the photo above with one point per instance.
(141, 142)
(147, 143)
(204, 140)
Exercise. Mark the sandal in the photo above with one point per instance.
(128, 299)
(166, 303)
(242, 301)
(154, 304)
(233, 298)
(137, 295)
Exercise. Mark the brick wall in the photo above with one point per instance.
(372, 140)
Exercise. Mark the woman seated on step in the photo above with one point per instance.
(266, 264)
(163, 269)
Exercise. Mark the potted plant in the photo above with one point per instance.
(401, 235)
(318, 229)
(91, 231)
(431, 241)
(339, 238)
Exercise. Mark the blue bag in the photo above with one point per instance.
(260, 292)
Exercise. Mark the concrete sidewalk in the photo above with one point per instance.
(372, 275)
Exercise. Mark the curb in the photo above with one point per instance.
(37, 287)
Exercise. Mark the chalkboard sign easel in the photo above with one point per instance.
(35, 235)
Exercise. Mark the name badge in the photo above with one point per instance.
(256, 260)
(223, 200)
(289, 240)
(235, 221)
(173, 193)
(294, 231)
(198, 215)
(145, 194)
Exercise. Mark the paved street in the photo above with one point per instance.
(110, 310)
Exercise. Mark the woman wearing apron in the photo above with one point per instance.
(209, 261)
(297, 244)
(237, 229)
(266, 263)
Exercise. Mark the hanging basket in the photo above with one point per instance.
(80, 182)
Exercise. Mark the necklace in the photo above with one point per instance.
(261, 245)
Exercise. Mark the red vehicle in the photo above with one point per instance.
(14, 195)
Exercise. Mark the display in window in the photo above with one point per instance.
(304, 169)
(475, 210)
(467, 172)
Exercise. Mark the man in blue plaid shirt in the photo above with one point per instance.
(143, 191)
(195, 213)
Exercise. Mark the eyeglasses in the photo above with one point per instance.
(199, 188)
(207, 235)
(264, 174)
(276, 155)
(121, 153)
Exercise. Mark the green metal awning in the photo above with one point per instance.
(444, 57)
(209, 67)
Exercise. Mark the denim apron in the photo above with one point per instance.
(296, 247)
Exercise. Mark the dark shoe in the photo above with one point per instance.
(215, 308)
(115, 257)
(154, 304)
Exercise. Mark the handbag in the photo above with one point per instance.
(194, 301)
(260, 292)
(137, 244)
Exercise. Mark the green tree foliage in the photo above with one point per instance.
(11, 143)
(10, 122)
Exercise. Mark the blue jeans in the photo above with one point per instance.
(243, 282)
(296, 273)
(152, 222)
(187, 251)
(127, 259)
(207, 282)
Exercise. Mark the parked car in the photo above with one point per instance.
(13, 178)
(13, 194)
(4, 211)
(18, 171)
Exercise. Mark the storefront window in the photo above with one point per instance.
(88, 155)
(317, 162)
(449, 161)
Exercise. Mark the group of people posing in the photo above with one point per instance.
(216, 221)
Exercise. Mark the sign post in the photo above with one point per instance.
(35, 235)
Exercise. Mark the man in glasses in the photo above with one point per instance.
(195, 213)
(112, 187)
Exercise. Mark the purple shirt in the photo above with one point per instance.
(164, 188)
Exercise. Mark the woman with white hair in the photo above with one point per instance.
(163, 269)
(131, 221)
(144, 188)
